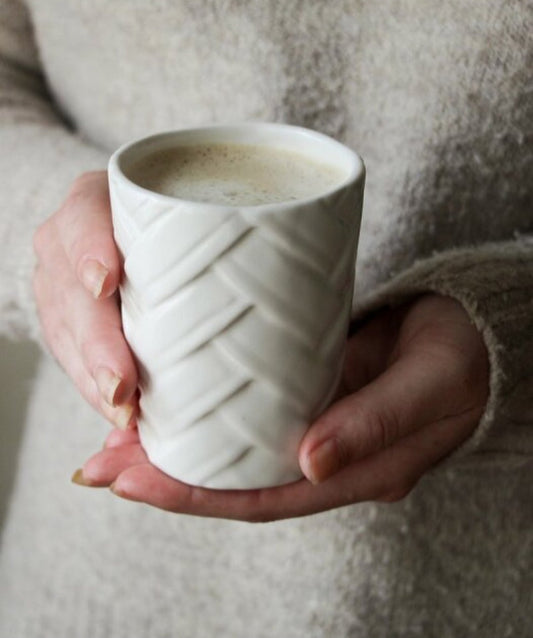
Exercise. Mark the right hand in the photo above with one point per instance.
(75, 285)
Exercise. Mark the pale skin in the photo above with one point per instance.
(415, 384)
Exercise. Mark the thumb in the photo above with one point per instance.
(415, 390)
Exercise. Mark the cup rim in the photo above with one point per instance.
(265, 130)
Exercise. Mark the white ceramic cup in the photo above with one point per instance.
(237, 315)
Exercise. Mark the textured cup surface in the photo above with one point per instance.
(237, 316)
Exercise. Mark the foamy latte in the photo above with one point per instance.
(234, 174)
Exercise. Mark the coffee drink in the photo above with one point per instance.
(234, 174)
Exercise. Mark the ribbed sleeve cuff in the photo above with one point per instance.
(38, 163)
(494, 283)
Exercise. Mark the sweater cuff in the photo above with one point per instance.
(39, 162)
(494, 283)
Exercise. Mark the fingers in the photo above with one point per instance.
(84, 334)
(86, 234)
(103, 468)
(410, 458)
(145, 483)
(368, 350)
(408, 395)
(435, 373)
(386, 476)
(424, 404)
(124, 465)
(103, 350)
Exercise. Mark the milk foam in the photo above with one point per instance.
(234, 174)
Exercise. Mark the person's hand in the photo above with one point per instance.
(75, 282)
(415, 386)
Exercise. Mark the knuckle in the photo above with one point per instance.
(381, 427)
(466, 372)
(86, 186)
(450, 357)
(88, 391)
(357, 429)
(86, 178)
(76, 249)
(76, 244)
(78, 193)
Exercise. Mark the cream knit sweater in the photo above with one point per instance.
(437, 97)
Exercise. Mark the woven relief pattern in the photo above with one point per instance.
(238, 321)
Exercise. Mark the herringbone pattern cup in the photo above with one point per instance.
(238, 320)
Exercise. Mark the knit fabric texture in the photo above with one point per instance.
(437, 100)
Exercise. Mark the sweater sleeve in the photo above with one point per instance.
(494, 283)
(39, 158)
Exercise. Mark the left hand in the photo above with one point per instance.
(414, 388)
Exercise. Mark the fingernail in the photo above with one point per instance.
(77, 478)
(322, 462)
(122, 416)
(107, 383)
(94, 275)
